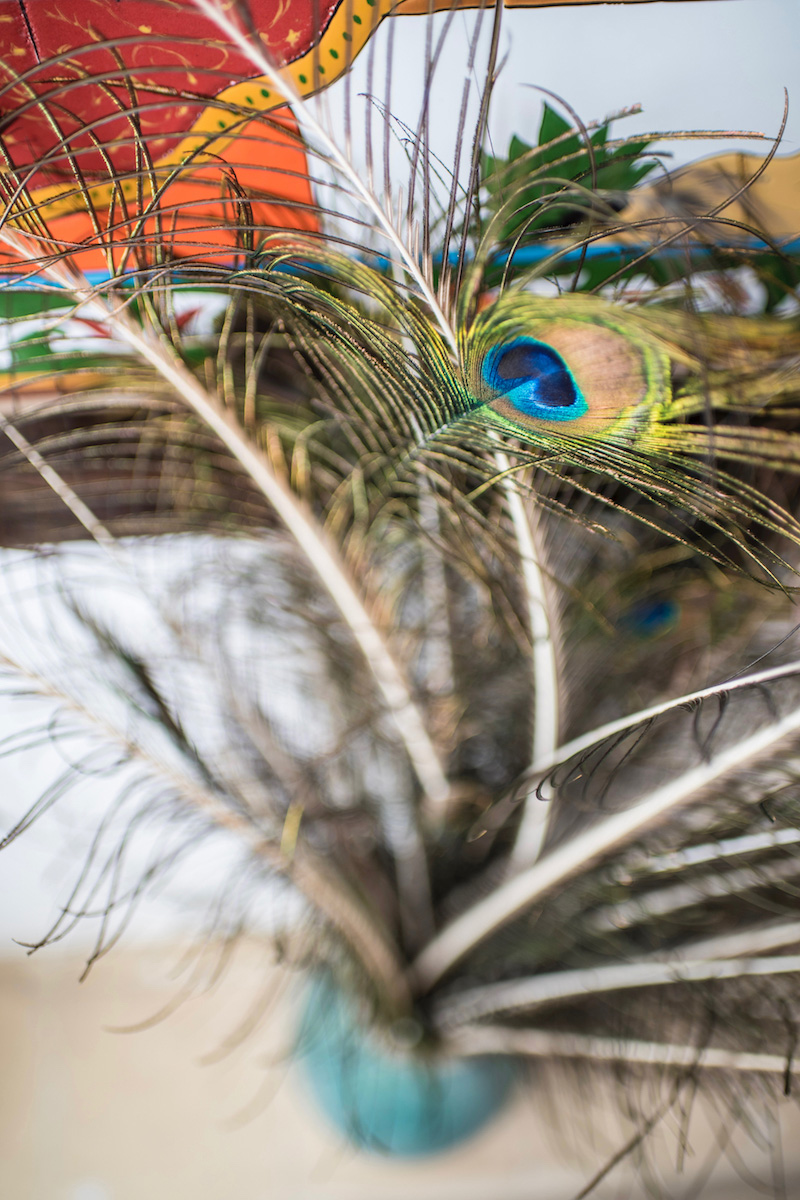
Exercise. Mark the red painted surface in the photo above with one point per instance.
(115, 74)
(128, 44)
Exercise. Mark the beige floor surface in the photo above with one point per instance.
(164, 1114)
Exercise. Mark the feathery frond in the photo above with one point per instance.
(489, 684)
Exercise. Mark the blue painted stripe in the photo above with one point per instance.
(524, 256)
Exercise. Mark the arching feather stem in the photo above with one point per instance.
(742, 944)
(520, 892)
(682, 135)
(369, 153)
(738, 847)
(544, 1043)
(540, 990)
(701, 890)
(547, 697)
(441, 670)
(602, 732)
(68, 496)
(309, 122)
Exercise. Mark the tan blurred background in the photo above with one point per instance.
(166, 1114)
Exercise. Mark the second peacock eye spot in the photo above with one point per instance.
(535, 380)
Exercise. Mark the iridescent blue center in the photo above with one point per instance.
(535, 379)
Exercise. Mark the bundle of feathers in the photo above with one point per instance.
(504, 683)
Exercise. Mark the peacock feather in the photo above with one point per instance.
(499, 678)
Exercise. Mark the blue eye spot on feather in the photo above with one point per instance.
(534, 378)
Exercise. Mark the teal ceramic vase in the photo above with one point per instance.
(393, 1099)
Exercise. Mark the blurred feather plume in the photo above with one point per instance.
(501, 676)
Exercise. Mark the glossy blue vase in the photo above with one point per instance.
(392, 1100)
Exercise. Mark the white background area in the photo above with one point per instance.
(707, 65)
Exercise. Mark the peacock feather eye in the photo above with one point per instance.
(575, 366)
(535, 380)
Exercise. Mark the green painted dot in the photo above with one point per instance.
(265, 93)
(334, 53)
(248, 99)
(371, 3)
(346, 36)
(221, 124)
(321, 70)
(357, 18)
(302, 78)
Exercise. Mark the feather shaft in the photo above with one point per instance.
(95, 528)
(611, 729)
(456, 939)
(545, 667)
(663, 902)
(693, 856)
(540, 1043)
(540, 990)
(741, 944)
